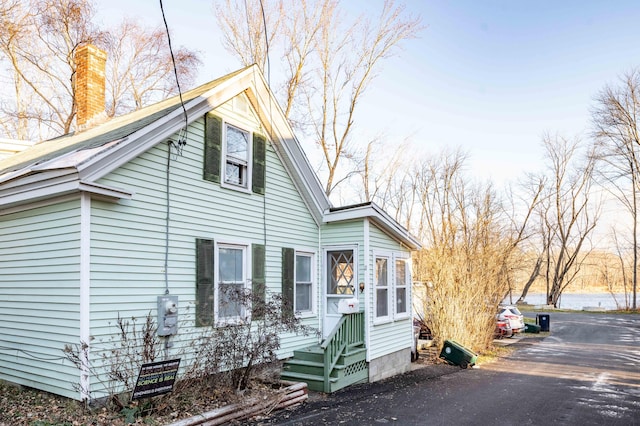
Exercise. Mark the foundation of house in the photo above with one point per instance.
(390, 365)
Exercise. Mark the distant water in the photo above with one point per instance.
(576, 300)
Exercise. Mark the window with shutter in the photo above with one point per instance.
(221, 290)
(233, 156)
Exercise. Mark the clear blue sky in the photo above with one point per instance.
(490, 76)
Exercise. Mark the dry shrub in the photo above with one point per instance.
(470, 245)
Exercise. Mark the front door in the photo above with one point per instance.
(341, 277)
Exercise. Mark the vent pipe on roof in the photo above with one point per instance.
(90, 86)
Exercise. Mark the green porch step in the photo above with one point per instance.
(316, 354)
(294, 365)
(307, 365)
(316, 383)
(312, 353)
(345, 346)
(315, 368)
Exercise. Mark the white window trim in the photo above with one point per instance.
(325, 278)
(246, 247)
(312, 255)
(407, 286)
(223, 169)
(390, 288)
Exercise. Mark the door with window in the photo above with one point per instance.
(341, 283)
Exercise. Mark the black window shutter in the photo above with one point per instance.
(212, 147)
(258, 280)
(288, 279)
(259, 163)
(204, 282)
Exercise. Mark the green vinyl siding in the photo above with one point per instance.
(347, 234)
(392, 336)
(383, 338)
(128, 238)
(381, 241)
(39, 283)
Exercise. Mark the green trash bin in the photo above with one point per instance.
(456, 354)
(531, 328)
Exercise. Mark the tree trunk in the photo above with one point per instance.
(534, 274)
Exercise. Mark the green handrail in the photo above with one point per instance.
(348, 332)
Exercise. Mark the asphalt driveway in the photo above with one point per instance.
(586, 372)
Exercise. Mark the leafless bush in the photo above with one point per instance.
(221, 359)
(470, 247)
(242, 346)
(118, 363)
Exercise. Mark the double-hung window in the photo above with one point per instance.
(236, 156)
(304, 283)
(297, 281)
(224, 289)
(232, 261)
(391, 287)
(382, 292)
(402, 282)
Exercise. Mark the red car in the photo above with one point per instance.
(503, 329)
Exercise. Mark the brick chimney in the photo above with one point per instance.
(90, 86)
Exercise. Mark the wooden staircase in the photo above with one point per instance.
(339, 361)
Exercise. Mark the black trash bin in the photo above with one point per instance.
(543, 321)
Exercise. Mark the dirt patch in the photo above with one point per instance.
(20, 406)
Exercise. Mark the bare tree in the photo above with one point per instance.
(13, 32)
(570, 214)
(616, 276)
(329, 64)
(244, 27)
(38, 41)
(140, 69)
(388, 179)
(615, 121)
(470, 244)
(530, 231)
(38, 50)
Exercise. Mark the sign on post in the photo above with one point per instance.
(156, 378)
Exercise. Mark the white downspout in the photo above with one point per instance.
(367, 289)
(320, 305)
(85, 287)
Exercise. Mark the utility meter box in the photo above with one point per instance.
(167, 315)
(348, 306)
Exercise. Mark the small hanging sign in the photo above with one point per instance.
(156, 378)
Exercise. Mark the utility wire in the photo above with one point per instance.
(246, 14)
(175, 70)
(266, 44)
(31, 354)
(179, 145)
(167, 219)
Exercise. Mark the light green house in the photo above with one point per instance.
(96, 225)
